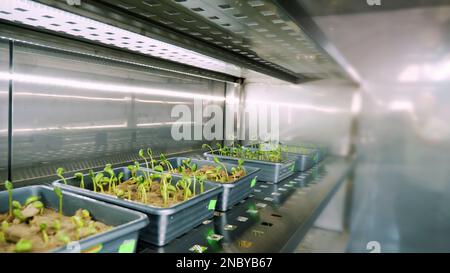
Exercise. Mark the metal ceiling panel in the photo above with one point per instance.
(227, 36)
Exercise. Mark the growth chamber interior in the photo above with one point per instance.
(227, 126)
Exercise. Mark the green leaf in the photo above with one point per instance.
(141, 153)
(23, 245)
(8, 185)
(60, 171)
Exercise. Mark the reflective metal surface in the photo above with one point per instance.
(79, 112)
(317, 112)
(274, 219)
(4, 60)
(401, 187)
(248, 34)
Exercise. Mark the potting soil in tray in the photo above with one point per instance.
(28, 235)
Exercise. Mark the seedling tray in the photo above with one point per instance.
(166, 224)
(305, 158)
(121, 238)
(233, 192)
(269, 171)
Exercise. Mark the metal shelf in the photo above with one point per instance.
(274, 219)
(232, 37)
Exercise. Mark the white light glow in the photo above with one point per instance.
(435, 72)
(302, 106)
(107, 87)
(40, 15)
(156, 124)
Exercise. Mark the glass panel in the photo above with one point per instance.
(79, 112)
(4, 66)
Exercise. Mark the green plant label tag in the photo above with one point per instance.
(127, 246)
(212, 204)
(253, 182)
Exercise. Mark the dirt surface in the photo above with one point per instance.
(131, 192)
(58, 230)
(221, 177)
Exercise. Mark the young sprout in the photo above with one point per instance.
(30, 200)
(18, 214)
(150, 155)
(23, 245)
(63, 238)
(9, 187)
(201, 179)
(80, 176)
(108, 169)
(166, 162)
(206, 146)
(142, 155)
(59, 194)
(59, 173)
(92, 176)
(223, 166)
(119, 177)
(98, 181)
(43, 230)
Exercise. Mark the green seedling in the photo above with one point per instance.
(92, 176)
(43, 230)
(150, 155)
(216, 160)
(77, 221)
(98, 181)
(18, 214)
(120, 177)
(63, 238)
(206, 146)
(142, 155)
(56, 224)
(23, 245)
(164, 161)
(201, 179)
(80, 176)
(184, 184)
(9, 187)
(16, 205)
(5, 225)
(30, 200)
(59, 194)
(59, 173)
(166, 187)
(2, 237)
(108, 169)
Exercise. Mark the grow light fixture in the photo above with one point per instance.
(99, 86)
(39, 15)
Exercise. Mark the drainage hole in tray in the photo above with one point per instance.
(276, 215)
(267, 224)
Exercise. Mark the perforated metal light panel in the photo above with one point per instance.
(40, 15)
(256, 29)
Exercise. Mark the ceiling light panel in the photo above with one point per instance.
(43, 16)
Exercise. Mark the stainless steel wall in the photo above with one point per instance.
(4, 61)
(401, 188)
(80, 112)
(318, 111)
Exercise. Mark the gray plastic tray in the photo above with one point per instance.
(306, 158)
(166, 224)
(269, 171)
(123, 236)
(232, 193)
